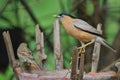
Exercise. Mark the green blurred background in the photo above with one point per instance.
(21, 16)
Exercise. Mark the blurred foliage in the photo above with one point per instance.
(43, 10)
(7, 75)
(112, 23)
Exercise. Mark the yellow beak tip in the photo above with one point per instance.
(54, 15)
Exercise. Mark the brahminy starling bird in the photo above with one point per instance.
(82, 31)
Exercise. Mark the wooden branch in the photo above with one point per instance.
(96, 52)
(81, 72)
(116, 44)
(9, 49)
(28, 9)
(7, 20)
(57, 46)
(110, 66)
(16, 6)
(118, 66)
(61, 75)
(40, 47)
(44, 56)
(26, 6)
(62, 6)
(74, 64)
(75, 4)
(4, 7)
(10, 52)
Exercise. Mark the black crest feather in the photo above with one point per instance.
(62, 14)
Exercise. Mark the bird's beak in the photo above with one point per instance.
(54, 15)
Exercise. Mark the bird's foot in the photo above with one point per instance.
(81, 49)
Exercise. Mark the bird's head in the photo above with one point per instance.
(23, 44)
(62, 15)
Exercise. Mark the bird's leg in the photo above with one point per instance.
(82, 48)
(89, 43)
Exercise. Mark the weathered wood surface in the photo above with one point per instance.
(74, 65)
(64, 74)
(81, 73)
(57, 46)
(11, 56)
(40, 48)
(96, 52)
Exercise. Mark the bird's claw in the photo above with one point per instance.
(81, 49)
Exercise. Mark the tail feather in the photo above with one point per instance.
(37, 65)
(104, 43)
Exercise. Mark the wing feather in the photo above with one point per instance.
(85, 26)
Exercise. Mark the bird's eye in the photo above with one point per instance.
(59, 16)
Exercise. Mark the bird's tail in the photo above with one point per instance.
(37, 65)
(104, 43)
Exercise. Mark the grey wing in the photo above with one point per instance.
(85, 26)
